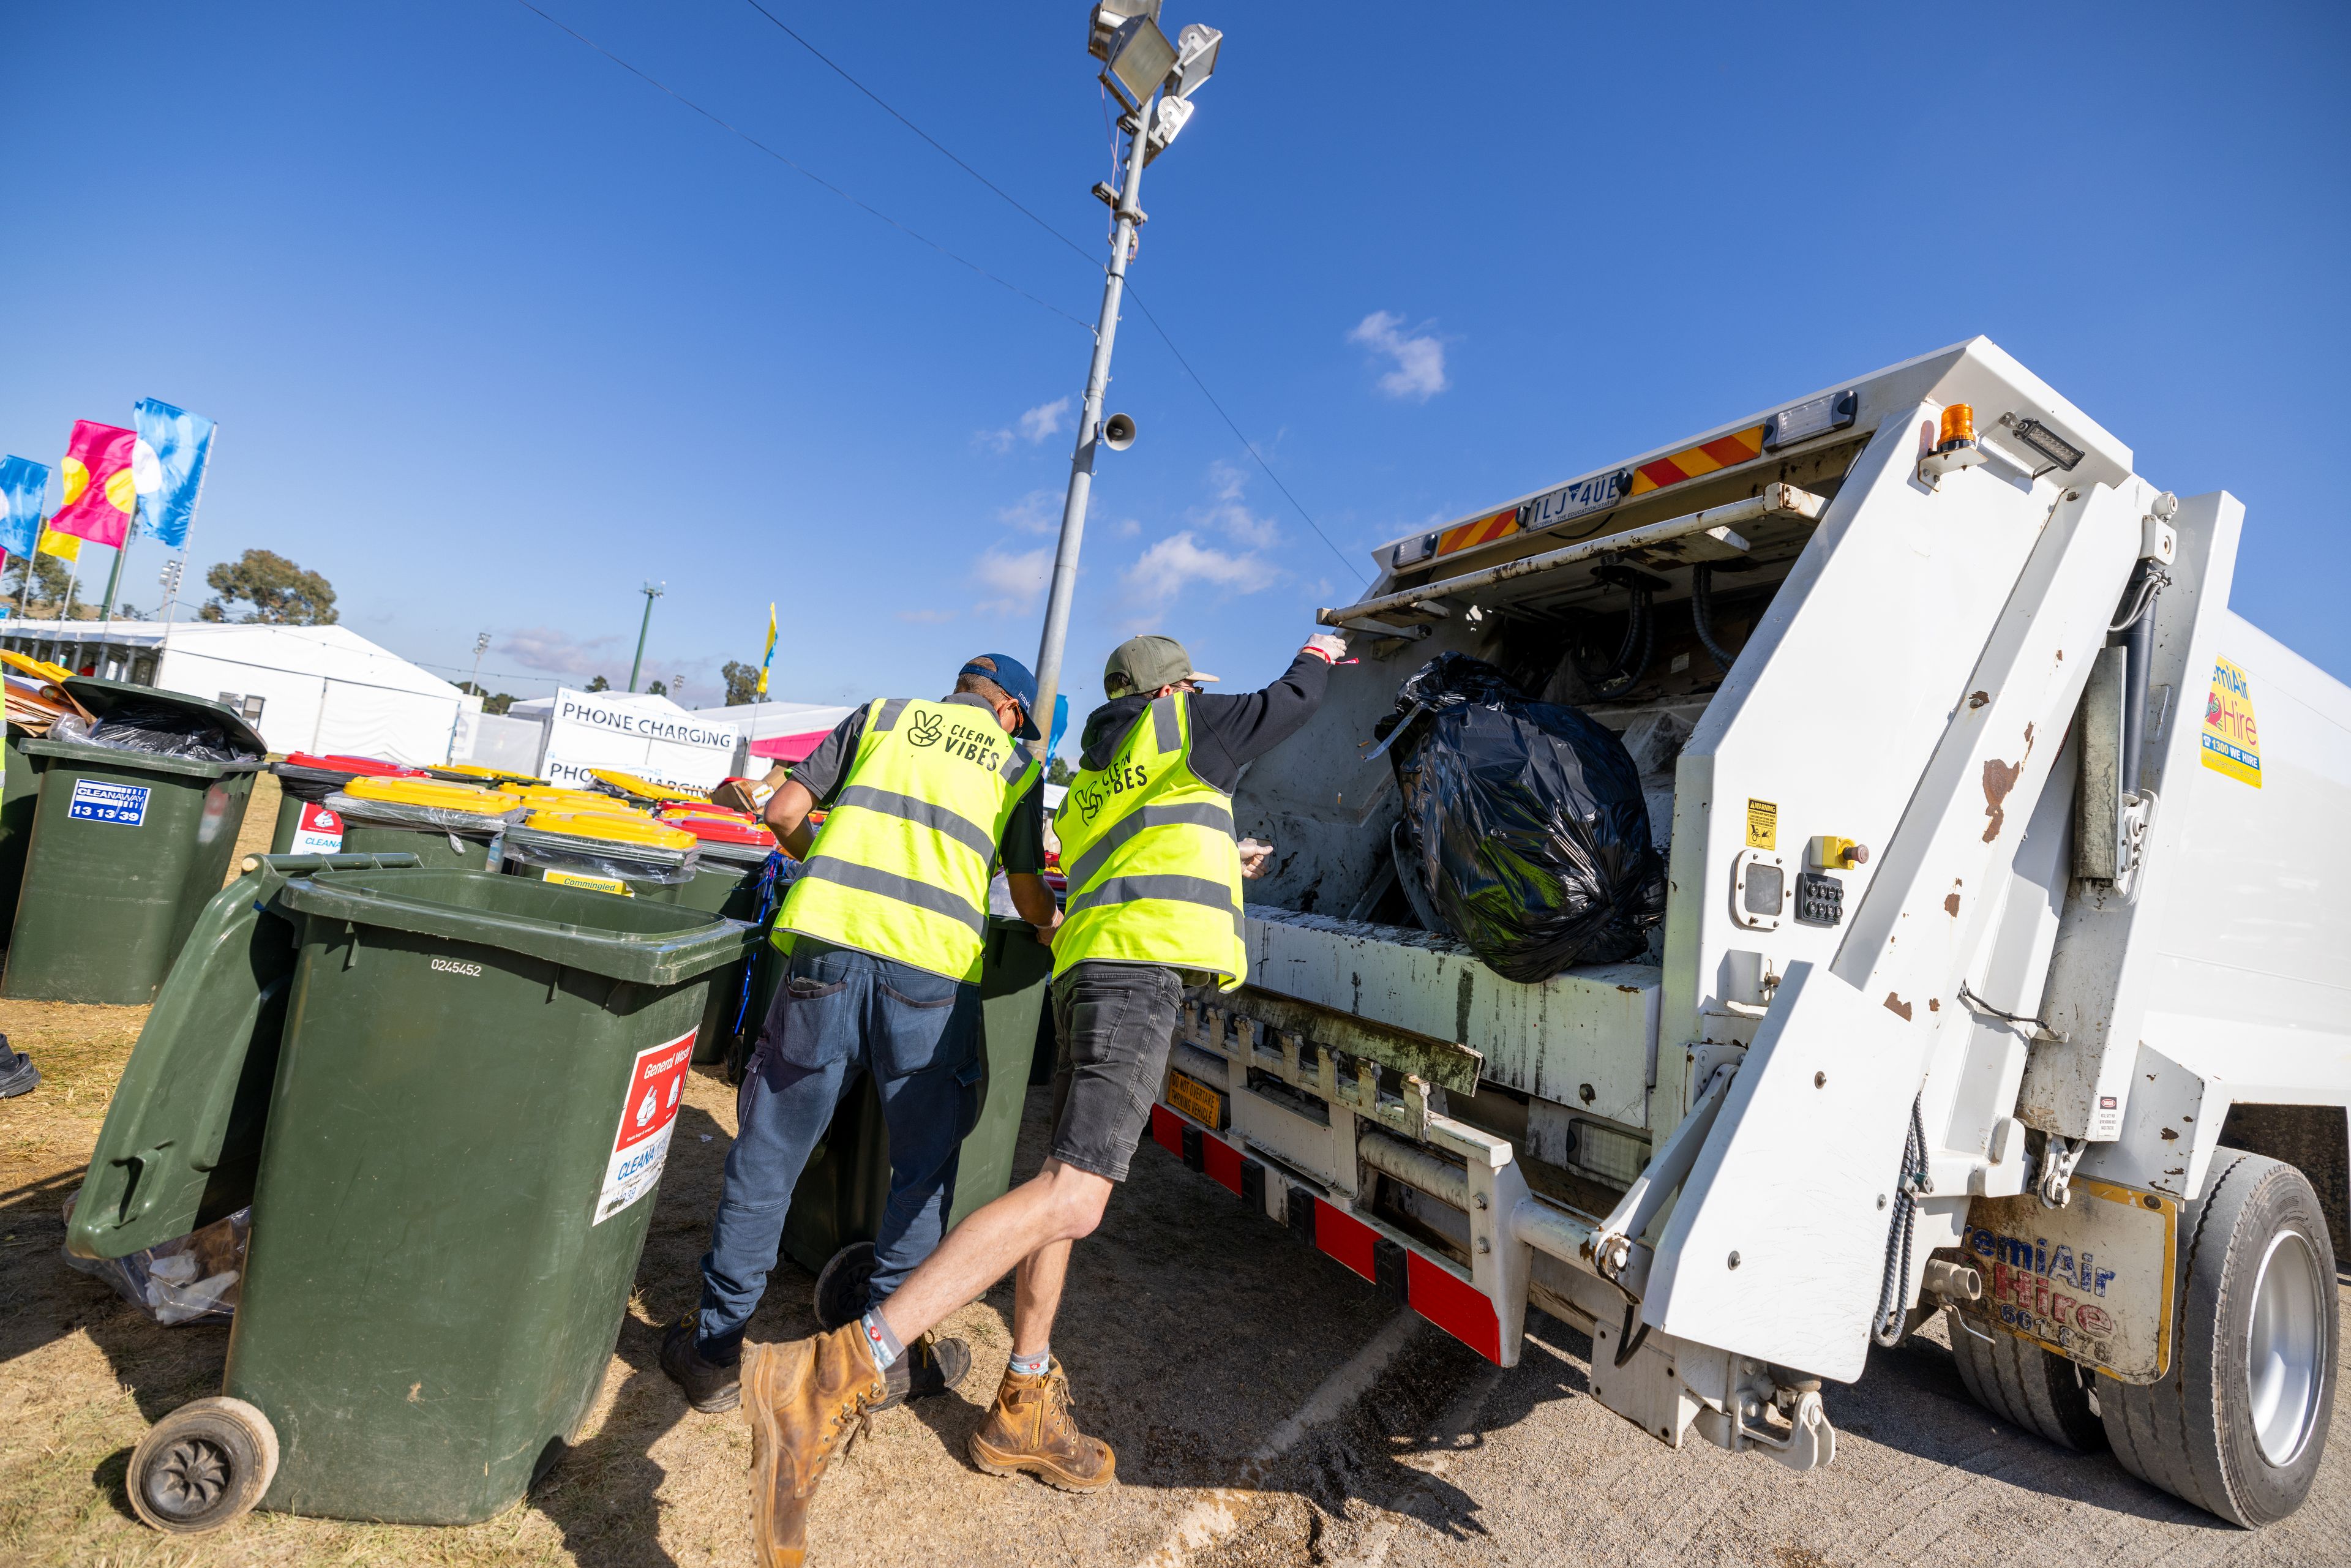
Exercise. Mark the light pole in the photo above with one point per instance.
(481, 646)
(652, 591)
(1154, 80)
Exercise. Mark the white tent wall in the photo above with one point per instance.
(324, 689)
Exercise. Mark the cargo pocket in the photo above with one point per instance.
(971, 1082)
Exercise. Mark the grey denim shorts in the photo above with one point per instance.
(1115, 1023)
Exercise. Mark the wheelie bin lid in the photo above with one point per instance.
(637, 787)
(39, 669)
(639, 834)
(720, 830)
(465, 799)
(143, 714)
(103, 696)
(553, 798)
(311, 768)
(474, 773)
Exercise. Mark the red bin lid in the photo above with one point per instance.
(721, 830)
(335, 762)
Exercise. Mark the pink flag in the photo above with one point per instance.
(99, 491)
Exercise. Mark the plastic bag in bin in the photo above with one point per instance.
(1524, 826)
(186, 1280)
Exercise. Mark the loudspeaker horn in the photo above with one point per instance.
(1118, 432)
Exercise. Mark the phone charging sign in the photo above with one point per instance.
(94, 801)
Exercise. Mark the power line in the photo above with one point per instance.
(948, 154)
(801, 169)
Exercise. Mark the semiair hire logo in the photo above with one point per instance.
(2233, 742)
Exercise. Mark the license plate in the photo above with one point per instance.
(2092, 1280)
(1196, 1100)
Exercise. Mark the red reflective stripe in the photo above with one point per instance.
(1455, 1305)
(1345, 1237)
(1662, 473)
(1729, 450)
(1222, 1162)
(1167, 1130)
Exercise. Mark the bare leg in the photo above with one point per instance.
(1059, 1204)
(1036, 1296)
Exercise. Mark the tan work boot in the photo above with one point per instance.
(1030, 1429)
(804, 1400)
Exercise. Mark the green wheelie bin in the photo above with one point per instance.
(303, 824)
(18, 797)
(837, 1208)
(133, 835)
(447, 1097)
(728, 873)
(452, 827)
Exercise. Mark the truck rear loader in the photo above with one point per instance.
(2004, 970)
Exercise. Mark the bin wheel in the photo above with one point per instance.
(206, 1463)
(840, 1288)
(2238, 1424)
(2023, 1384)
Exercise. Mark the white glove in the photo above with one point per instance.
(1327, 646)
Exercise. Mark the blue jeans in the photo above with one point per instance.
(839, 1013)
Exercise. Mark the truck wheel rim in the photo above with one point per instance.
(2282, 1348)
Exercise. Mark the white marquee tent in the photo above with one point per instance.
(305, 688)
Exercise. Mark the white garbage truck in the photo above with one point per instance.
(2004, 972)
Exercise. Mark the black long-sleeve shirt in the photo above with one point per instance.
(1227, 731)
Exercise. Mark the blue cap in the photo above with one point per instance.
(1018, 685)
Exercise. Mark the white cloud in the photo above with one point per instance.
(1035, 426)
(1128, 529)
(1038, 512)
(1419, 355)
(560, 652)
(1226, 514)
(1018, 580)
(928, 617)
(1177, 561)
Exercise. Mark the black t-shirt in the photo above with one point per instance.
(1227, 731)
(823, 771)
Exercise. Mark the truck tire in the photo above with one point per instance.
(2237, 1423)
(2027, 1386)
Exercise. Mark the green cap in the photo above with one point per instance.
(1147, 664)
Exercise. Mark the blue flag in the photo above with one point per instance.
(23, 485)
(168, 466)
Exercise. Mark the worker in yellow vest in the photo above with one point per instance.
(884, 929)
(1155, 905)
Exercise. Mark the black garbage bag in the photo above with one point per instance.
(158, 727)
(1524, 823)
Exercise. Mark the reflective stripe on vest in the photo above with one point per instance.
(901, 865)
(1155, 875)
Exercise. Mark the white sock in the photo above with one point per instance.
(881, 1341)
(1032, 1365)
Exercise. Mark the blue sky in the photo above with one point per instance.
(496, 331)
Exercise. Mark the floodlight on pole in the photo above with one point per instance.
(1139, 65)
(652, 591)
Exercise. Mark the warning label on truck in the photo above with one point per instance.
(124, 805)
(1762, 825)
(2232, 743)
(656, 1084)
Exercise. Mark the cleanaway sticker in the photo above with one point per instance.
(124, 805)
(656, 1084)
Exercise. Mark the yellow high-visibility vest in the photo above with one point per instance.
(901, 865)
(1155, 875)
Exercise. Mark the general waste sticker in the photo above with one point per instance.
(2233, 742)
(318, 832)
(124, 805)
(640, 1147)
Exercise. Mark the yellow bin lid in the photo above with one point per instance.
(555, 798)
(635, 831)
(640, 787)
(431, 793)
(41, 669)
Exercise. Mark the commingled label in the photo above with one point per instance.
(656, 1085)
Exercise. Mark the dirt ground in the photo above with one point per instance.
(1267, 1407)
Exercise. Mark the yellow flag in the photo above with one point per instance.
(769, 657)
(65, 547)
